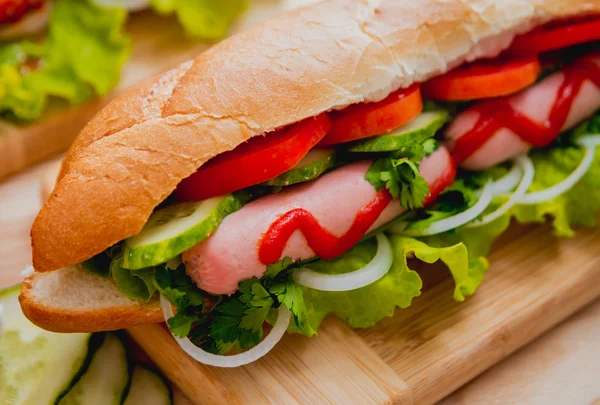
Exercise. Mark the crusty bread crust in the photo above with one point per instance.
(133, 154)
(61, 320)
(72, 300)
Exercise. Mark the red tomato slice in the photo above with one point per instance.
(255, 161)
(484, 79)
(369, 119)
(557, 35)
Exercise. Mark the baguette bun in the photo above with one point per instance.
(73, 300)
(324, 56)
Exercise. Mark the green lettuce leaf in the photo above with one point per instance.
(477, 242)
(134, 284)
(180, 291)
(98, 265)
(82, 55)
(89, 39)
(455, 199)
(578, 206)
(366, 306)
(208, 19)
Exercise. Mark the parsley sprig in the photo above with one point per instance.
(180, 291)
(460, 196)
(236, 321)
(399, 174)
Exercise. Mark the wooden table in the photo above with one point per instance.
(561, 367)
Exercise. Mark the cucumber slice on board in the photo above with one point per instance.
(176, 228)
(37, 366)
(315, 163)
(148, 388)
(105, 380)
(423, 127)
(13, 318)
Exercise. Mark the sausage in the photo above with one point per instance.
(536, 103)
(230, 255)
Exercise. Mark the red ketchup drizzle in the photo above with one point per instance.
(442, 182)
(497, 114)
(326, 245)
(320, 240)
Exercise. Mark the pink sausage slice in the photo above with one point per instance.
(230, 255)
(535, 102)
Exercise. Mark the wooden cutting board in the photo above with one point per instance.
(420, 355)
(158, 44)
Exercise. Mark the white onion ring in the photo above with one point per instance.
(589, 143)
(373, 271)
(589, 140)
(452, 222)
(525, 166)
(235, 360)
(509, 181)
(129, 5)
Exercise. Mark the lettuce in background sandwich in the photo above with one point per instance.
(75, 49)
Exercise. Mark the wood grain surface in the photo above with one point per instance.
(563, 367)
(337, 367)
(158, 44)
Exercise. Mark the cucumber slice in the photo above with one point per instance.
(105, 380)
(176, 228)
(37, 366)
(148, 388)
(423, 127)
(13, 318)
(315, 163)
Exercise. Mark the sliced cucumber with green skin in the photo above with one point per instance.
(315, 163)
(148, 388)
(37, 366)
(13, 318)
(106, 379)
(423, 127)
(176, 228)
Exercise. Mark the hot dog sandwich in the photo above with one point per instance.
(289, 172)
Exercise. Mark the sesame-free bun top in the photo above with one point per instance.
(324, 56)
